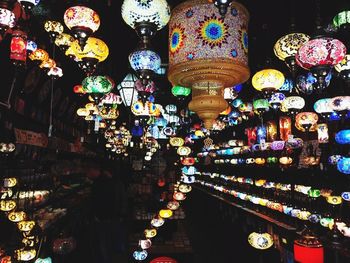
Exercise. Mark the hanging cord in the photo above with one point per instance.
(52, 93)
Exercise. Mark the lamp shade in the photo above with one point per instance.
(276, 99)
(323, 106)
(294, 102)
(7, 19)
(54, 28)
(156, 12)
(144, 59)
(320, 51)
(81, 16)
(31, 46)
(261, 104)
(204, 47)
(308, 249)
(343, 137)
(260, 240)
(308, 83)
(288, 45)
(98, 84)
(342, 18)
(127, 90)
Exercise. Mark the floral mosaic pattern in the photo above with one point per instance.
(212, 31)
(145, 59)
(177, 36)
(321, 51)
(82, 16)
(206, 35)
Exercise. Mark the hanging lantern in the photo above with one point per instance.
(26, 226)
(260, 106)
(322, 133)
(64, 41)
(140, 255)
(145, 62)
(319, 55)
(173, 205)
(340, 103)
(342, 19)
(7, 20)
(146, 17)
(343, 137)
(127, 90)
(145, 243)
(54, 28)
(261, 134)
(176, 141)
(308, 249)
(83, 21)
(306, 121)
(95, 51)
(78, 89)
(17, 216)
(150, 233)
(28, 4)
(343, 68)
(180, 92)
(268, 81)
(323, 107)
(39, 55)
(48, 64)
(260, 240)
(287, 47)
(271, 128)
(178, 196)
(7, 205)
(18, 48)
(166, 213)
(97, 85)
(111, 100)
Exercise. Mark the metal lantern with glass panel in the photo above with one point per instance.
(82, 21)
(127, 90)
(146, 17)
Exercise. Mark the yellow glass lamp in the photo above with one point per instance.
(39, 55)
(17, 216)
(268, 80)
(260, 161)
(150, 233)
(7, 205)
(10, 182)
(285, 160)
(334, 200)
(185, 188)
(165, 213)
(26, 226)
(95, 49)
(64, 41)
(260, 240)
(176, 141)
(47, 64)
(54, 28)
(25, 254)
(83, 112)
(184, 151)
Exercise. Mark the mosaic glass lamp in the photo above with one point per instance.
(294, 104)
(82, 21)
(287, 46)
(343, 68)
(54, 28)
(18, 48)
(268, 81)
(180, 92)
(260, 241)
(97, 85)
(64, 41)
(306, 121)
(7, 20)
(146, 17)
(276, 100)
(343, 165)
(145, 62)
(342, 19)
(343, 137)
(308, 83)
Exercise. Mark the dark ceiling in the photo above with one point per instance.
(269, 20)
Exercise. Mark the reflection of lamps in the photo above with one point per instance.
(127, 90)
(7, 20)
(146, 18)
(287, 46)
(308, 83)
(319, 55)
(63, 41)
(54, 28)
(83, 21)
(268, 81)
(145, 62)
(308, 248)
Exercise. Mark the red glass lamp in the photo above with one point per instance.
(18, 48)
(308, 249)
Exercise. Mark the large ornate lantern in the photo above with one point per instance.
(319, 55)
(287, 47)
(208, 52)
(146, 17)
(83, 21)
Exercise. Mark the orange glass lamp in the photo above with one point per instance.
(306, 121)
(39, 55)
(308, 249)
(166, 213)
(268, 81)
(47, 64)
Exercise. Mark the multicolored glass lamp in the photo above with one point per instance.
(308, 83)
(146, 17)
(28, 4)
(343, 137)
(287, 46)
(319, 55)
(268, 81)
(54, 28)
(7, 20)
(97, 86)
(39, 55)
(343, 68)
(145, 62)
(82, 21)
(294, 104)
(276, 100)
